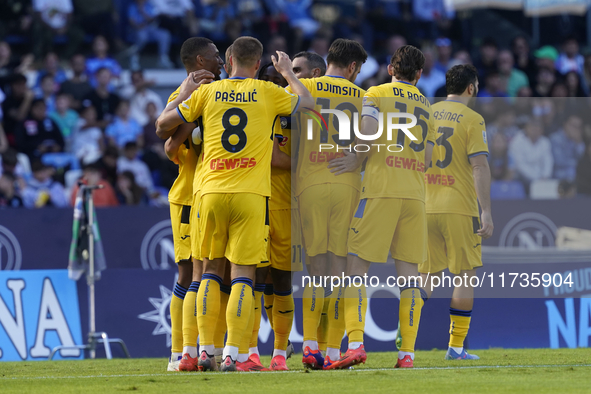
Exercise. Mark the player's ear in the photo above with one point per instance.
(258, 64)
(390, 70)
(315, 72)
(418, 75)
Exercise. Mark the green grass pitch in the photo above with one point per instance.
(498, 370)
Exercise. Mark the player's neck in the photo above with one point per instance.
(413, 83)
(457, 98)
(332, 71)
(242, 73)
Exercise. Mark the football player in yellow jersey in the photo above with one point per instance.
(457, 180)
(198, 55)
(391, 212)
(326, 202)
(308, 65)
(237, 116)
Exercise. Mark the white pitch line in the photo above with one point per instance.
(292, 371)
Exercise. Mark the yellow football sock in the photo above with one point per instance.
(238, 312)
(355, 310)
(323, 326)
(283, 318)
(459, 325)
(190, 329)
(336, 318)
(411, 303)
(208, 307)
(258, 311)
(269, 299)
(220, 326)
(312, 304)
(176, 318)
(247, 335)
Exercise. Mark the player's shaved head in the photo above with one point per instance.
(343, 52)
(247, 51)
(458, 78)
(227, 65)
(406, 62)
(313, 61)
(192, 48)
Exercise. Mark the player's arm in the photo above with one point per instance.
(280, 159)
(353, 160)
(173, 143)
(171, 116)
(283, 65)
(481, 174)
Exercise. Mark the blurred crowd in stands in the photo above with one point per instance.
(66, 113)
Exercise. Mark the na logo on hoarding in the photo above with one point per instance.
(530, 230)
(11, 256)
(157, 250)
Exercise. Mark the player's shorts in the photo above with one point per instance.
(195, 230)
(397, 225)
(181, 231)
(234, 226)
(285, 245)
(453, 243)
(326, 212)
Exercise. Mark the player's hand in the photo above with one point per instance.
(486, 230)
(347, 163)
(202, 77)
(282, 63)
(193, 81)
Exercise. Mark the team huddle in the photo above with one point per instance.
(241, 227)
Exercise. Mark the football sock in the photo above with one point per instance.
(238, 312)
(402, 354)
(312, 304)
(335, 320)
(243, 350)
(283, 317)
(355, 310)
(259, 288)
(269, 300)
(220, 326)
(355, 345)
(411, 302)
(190, 329)
(313, 345)
(176, 318)
(208, 308)
(278, 352)
(323, 326)
(333, 353)
(458, 328)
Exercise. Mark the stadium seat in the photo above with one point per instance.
(61, 160)
(507, 190)
(544, 189)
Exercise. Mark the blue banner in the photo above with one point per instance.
(38, 311)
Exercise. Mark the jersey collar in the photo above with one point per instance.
(408, 83)
(237, 78)
(335, 76)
